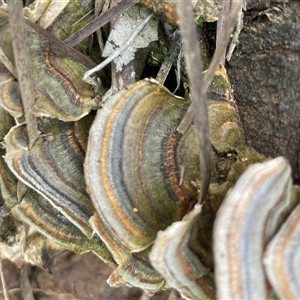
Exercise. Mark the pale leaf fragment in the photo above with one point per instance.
(123, 30)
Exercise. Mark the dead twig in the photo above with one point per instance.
(220, 48)
(221, 24)
(59, 46)
(17, 27)
(87, 76)
(99, 22)
(194, 71)
(222, 42)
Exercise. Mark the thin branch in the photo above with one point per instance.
(194, 70)
(221, 24)
(99, 22)
(86, 76)
(172, 55)
(222, 42)
(59, 46)
(17, 28)
(238, 29)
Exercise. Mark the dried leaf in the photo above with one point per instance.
(130, 20)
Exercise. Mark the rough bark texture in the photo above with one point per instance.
(265, 76)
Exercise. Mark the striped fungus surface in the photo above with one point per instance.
(174, 256)
(131, 197)
(30, 204)
(10, 97)
(59, 91)
(53, 168)
(251, 254)
(134, 161)
(161, 188)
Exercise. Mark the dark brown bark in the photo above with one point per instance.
(265, 76)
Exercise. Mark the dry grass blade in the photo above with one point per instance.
(217, 57)
(5, 293)
(194, 70)
(58, 46)
(221, 24)
(99, 22)
(17, 27)
(222, 42)
(168, 62)
(87, 75)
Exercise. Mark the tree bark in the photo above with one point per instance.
(265, 75)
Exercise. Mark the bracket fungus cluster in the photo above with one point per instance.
(124, 182)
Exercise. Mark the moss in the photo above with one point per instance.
(199, 19)
(245, 156)
(221, 81)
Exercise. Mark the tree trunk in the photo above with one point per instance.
(265, 76)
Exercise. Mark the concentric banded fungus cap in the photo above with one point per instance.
(54, 166)
(57, 78)
(132, 167)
